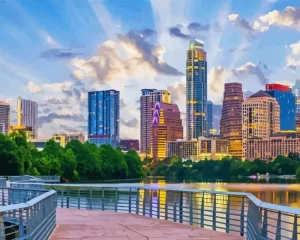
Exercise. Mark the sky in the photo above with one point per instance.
(55, 51)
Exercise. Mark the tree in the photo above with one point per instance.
(134, 163)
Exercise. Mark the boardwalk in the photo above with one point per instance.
(94, 225)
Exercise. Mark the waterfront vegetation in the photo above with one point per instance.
(86, 162)
(76, 162)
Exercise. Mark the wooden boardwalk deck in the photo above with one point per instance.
(94, 225)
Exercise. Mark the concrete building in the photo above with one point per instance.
(270, 148)
(199, 149)
(4, 117)
(129, 144)
(147, 100)
(261, 117)
(287, 102)
(196, 90)
(166, 126)
(104, 117)
(63, 138)
(27, 115)
(231, 120)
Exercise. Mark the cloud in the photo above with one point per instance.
(176, 32)
(248, 94)
(56, 101)
(76, 117)
(131, 123)
(238, 50)
(129, 56)
(33, 88)
(217, 76)
(68, 93)
(58, 87)
(47, 110)
(177, 91)
(289, 17)
(293, 59)
(59, 54)
(242, 24)
(122, 103)
(251, 69)
(70, 129)
(77, 93)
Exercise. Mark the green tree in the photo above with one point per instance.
(134, 163)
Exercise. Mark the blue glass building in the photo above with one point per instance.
(287, 103)
(209, 116)
(196, 90)
(103, 118)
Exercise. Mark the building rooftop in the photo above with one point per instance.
(260, 93)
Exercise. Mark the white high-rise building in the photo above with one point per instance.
(27, 115)
(4, 117)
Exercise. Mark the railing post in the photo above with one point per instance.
(130, 200)
(21, 224)
(2, 227)
(78, 203)
(144, 203)
(174, 212)
(265, 224)
(116, 200)
(181, 207)
(3, 199)
(158, 204)
(91, 199)
(214, 212)
(151, 202)
(191, 209)
(295, 230)
(278, 230)
(242, 230)
(166, 206)
(62, 198)
(137, 203)
(202, 211)
(68, 197)
(102, 199)
(228, 215)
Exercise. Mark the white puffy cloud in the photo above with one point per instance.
(57, 87)
(33, 88)
(293, 58)
(217, 76)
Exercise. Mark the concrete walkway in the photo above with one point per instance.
(95, 225)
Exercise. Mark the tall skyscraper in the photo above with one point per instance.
(166, 126)
(261, 117)
(196, 90)
(103, 117)
(27, 115)
(4, 117)
(148, 99)
(287, 103)
(231, 120)
(209, 116)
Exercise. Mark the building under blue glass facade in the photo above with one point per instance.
(196, 90)
(209, 116)
(287, 103)
(103, 117)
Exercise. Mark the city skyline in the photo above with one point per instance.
(111, 44)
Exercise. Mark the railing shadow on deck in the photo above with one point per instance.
(231, 212)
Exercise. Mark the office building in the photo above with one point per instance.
(166, 126)
(269, 148)
(27, 115)
(196, 90)
(296, 92)
(287, 103)
(147, 100)
(216, 117)
(4, 117)
(63, 138)
(261, 117)
(198, 149)
(129, 144)
(209, 109)
(104, 117)
(231, 120)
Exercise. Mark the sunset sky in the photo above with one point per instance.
(55, 51)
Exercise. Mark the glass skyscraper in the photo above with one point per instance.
(196, 90)
(287, 103)
(103, 117)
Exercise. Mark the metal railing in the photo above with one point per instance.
(50, 178)
(53, 179)
(231, 212)
(27, 213)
